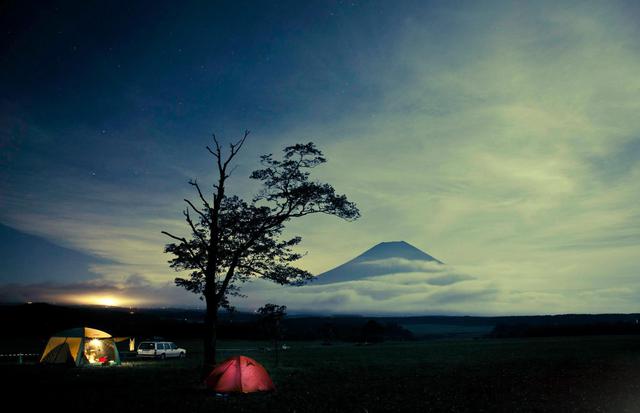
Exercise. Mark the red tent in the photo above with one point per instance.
(239, 374)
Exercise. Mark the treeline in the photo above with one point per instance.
(42, 320)
(505, 330)
(324, 329)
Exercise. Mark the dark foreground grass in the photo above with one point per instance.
(590, 374)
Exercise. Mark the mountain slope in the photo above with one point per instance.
(384, 258)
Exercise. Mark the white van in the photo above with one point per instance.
(160, 349)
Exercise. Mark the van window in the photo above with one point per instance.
(173, 346)
(147, 346)
(166, 346)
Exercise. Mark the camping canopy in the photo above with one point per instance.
(239, 374)
(81, 345)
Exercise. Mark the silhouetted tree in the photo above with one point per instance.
(372, 332)
(232, 240)
(395, 331)
(328, 333)
(270, 317)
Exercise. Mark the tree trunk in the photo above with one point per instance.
(210, 337)
(275, 345)
(275, 339)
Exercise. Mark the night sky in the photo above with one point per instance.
(501, 137)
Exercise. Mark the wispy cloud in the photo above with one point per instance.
(504, 139)
(135, 291)
(405, 265)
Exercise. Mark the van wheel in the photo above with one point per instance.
(163, 356)
(181, 355)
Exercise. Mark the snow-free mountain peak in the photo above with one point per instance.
(381, 259)
(394, 249)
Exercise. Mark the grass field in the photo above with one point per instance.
(590, 374)
(426, 329)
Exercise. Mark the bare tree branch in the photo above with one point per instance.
(194, 183)
(174, 237)
(204, 217)
(193, 228)
(235, 148)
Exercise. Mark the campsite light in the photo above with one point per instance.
(82, 345)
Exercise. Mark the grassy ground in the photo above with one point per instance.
(448, 329)
(590, 374)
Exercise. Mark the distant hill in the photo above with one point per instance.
(384, 258)
(39, 321)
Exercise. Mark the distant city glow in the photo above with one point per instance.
(97, 299)
(108, 301)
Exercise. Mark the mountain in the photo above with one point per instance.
(384, 258)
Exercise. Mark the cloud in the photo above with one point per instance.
(135, 291)
(405, 265)
(502, 137)
(401, 271)
(449, 279)
(497, 288)
(373, 296)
